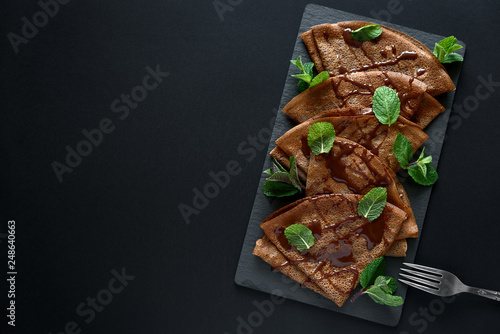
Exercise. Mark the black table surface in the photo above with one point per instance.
(117, 114)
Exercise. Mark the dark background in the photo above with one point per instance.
(119, 207)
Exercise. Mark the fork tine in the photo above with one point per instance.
(421, 287)
(421, 274)
(423, 281)
(424, 268)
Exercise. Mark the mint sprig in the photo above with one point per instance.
(307, 78)
(386, 105)
(381, 297)
(386, 283)
(368, 32)
(299, 236)
(320, 137)
(373, 203)
(281, 182)
(380, 288)
(421, 171)
(373, 270)
(444, 50)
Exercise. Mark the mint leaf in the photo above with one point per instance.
(319, 78)
(277, 166)
(451, 58)
(386, 105)
(281, 182)
(372, 271)
(402, 150)
(447, 43)
(280, 176)
(373, 203)
(423, 168)
(304, 77)
(367, 32)
(380, 288)
(294, 176)
(381, 297)
(321, 137)
(279, 189)
(444, 50)
(421, 171)
(308, 69)
(299, 236)
(298, 63)
(302, 85)
(307, 78)
(386, 283)
(425, 179)
(426, 160)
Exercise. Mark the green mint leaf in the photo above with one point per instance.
(452, 57)
(386, 283)
(281, 182)
(279, 189)
(321, 137)
(439, 51)
(375, 269)
(402, 150)
(426, 160)
(427, 179)
(381, 297)
(277, 166)
(444, 50)
(298, 63)
(294, 176)
(373, 203)
(280, 177)
(448, 42)
(303, 85)
(454, 48)
(305, 77)
(319, 78)
(423, 168)
(386, 105)
(299, 236)
(422, 154)
(308, 69)
(367, 32)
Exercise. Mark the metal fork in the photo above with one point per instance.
(440, 282)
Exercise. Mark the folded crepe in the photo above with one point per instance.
(345, 243)
(357, 89)
(268, 252)
(350, 168)
(332, 48)
(365, 130)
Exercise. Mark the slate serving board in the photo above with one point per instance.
(253, 272)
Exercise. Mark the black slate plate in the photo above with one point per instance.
(253, 272)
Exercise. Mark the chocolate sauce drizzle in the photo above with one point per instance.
(338, 253)
(379, 131)
(339, 170)
(408, 100)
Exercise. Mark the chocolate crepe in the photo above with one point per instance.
(332, 48)
(357, 89)
(365, 130)
(349, 168)
(345, 243)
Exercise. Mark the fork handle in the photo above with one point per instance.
(485, 293)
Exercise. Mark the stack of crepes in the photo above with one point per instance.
(361, 159)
